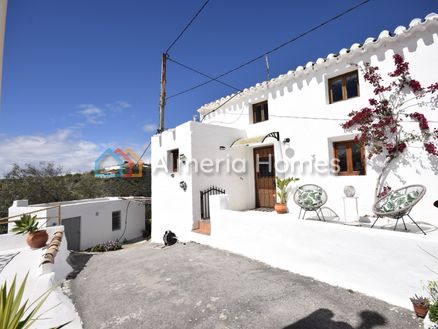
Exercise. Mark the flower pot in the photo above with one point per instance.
(280, 208)
(37, 239)
(420, 310)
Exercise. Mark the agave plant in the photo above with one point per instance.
(26, 224)
(420, 301)
(282, 184)
(15, 314)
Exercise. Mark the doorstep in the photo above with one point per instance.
(204, 227)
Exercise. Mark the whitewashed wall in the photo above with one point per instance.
(58, 308)
(206, 142)
(391, 266)
(96, 218)
(179, 210)
(170, 204)
(299, 109)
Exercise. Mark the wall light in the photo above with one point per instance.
(286, 140)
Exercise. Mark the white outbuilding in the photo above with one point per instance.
(89, 222)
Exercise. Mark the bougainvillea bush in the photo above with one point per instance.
(381, 126)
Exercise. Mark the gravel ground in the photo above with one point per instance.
(194, 286)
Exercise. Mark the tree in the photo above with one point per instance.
(47, 182)
(381, 126)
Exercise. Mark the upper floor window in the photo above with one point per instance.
(260, 112)
(172, 160)
(351, 157)
(343, 87)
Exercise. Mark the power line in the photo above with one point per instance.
(273, 49)
(145, 150)
(187, 26)
(200, 73)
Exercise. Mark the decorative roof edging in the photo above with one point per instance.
(51, 252)
(385, 35)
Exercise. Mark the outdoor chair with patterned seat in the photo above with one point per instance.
(310, 197)
(399, 203)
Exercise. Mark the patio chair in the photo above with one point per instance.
(310, 197)
(398, 204)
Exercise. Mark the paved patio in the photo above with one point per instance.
(193, 286)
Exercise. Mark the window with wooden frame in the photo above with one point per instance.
(172, 158)
(343, 87)
(260, 112)
(351, 157)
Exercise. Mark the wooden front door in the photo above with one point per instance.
(264, 167)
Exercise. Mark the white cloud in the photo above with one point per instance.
(150, 127)
(118, 106)
(61, 147)
(92, 113)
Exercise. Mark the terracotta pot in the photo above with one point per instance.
(37, 239)
(421, 310)
(280, 208)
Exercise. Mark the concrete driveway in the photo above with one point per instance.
(193, 286)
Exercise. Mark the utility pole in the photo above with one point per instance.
(162, 91)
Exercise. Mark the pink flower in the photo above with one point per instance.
(390, 148)
(415, 86)
(433, 87)
(372, 101)
(398, 59)
(430, 148)
(401, 67)
(422, 121)
(402, 147)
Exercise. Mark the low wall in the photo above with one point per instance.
(58, 308)
(96, 218)
(388, 265)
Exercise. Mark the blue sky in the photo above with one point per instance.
(81, 75)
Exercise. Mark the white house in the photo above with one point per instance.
(295, 118)
(89, 222)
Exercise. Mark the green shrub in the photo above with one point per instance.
(432, 288)
(433, 313)
(107, 246)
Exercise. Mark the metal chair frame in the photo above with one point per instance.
(313, 208)
(400, 213)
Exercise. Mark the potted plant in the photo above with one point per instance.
(421, 305)
(282, 193)
(36, 238)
